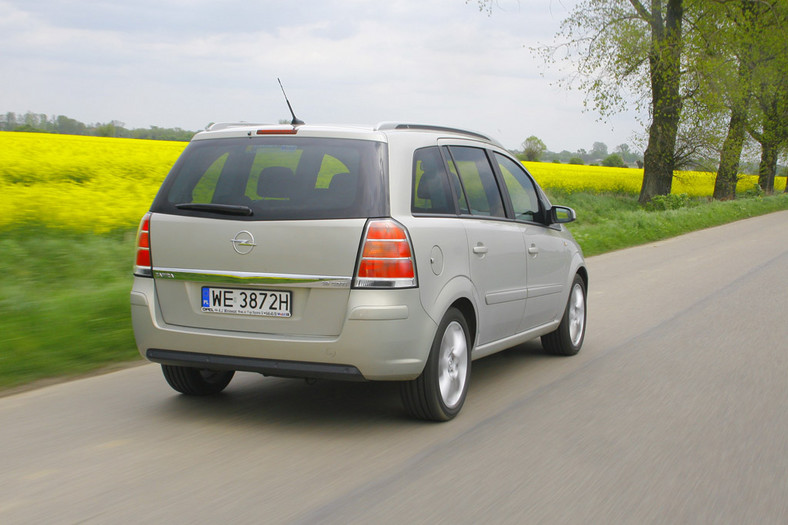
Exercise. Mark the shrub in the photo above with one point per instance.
(669, 202)
(614, 160)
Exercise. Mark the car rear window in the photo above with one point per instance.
(277, 178)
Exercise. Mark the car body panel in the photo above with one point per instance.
(498, 270)
(549, 258)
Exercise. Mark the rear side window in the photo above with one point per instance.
(431, 191)
(281, 178)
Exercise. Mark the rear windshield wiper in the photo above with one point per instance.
(227, 209)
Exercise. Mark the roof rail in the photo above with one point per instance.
(427, 127)
(225, 125)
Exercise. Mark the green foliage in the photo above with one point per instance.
(754, 191)
(576, 160)
(39, 123)
(533, 148)
(670, 202)
(697, 66)
(614, 160)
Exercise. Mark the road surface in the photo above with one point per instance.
(675, 411)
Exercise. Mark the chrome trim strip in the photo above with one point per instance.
(268, 279)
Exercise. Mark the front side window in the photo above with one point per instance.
(522, 191)
(278, 178)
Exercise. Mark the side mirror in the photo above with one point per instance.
(562, 214)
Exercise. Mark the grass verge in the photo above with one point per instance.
(64, 298)
(64, 303)
(611, 222)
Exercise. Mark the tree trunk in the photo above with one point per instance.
(665, 72)
(728, 172)
(768, 167)
(658, 158)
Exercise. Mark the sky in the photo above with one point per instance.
(188, 63)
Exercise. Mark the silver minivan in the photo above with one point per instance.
(398, 252)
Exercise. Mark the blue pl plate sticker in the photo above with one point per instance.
(206, 298)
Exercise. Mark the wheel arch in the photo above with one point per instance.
(457, 293)
(466, 308)
(582, 271)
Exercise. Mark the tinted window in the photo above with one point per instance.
(279, 178)
(454, 178)
(431, 191)
(478, 181)
(522, 191)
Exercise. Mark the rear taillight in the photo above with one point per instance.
(142, 263)
(386, 259)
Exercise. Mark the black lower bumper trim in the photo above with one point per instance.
(268, 367)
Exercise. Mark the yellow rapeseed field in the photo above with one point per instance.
(97, 184)
(93, 184)
(596, 179)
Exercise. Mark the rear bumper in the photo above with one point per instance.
(268, 367)
(386, 335)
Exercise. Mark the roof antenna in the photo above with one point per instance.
(296, 121)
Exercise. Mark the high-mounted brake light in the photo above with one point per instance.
(386, 259)
(142, 263)
(286, 131)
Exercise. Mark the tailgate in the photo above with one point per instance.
(304, 268)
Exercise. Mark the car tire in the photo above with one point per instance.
(439, 392)
(196, 381)
(568, 337)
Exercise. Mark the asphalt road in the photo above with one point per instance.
(675, 411)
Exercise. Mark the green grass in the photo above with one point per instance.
(611, 222)
(64, 298)
(64, 303)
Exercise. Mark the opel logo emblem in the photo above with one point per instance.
(243, 242)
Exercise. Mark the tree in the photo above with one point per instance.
(627, 154)
(599, 150)
(664, 58)
(9, 122)
(735, 43)
(623, 150)
(69, 126)
(773, 134)
(729, 72)
(771, 93)
(614, 160)
(106, 130)
(533, 148)
(624, 50)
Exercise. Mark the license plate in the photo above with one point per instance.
(239, 301)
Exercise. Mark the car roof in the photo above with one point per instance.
(379, 132)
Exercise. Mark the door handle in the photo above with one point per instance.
(480, 249)
(533, 249)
